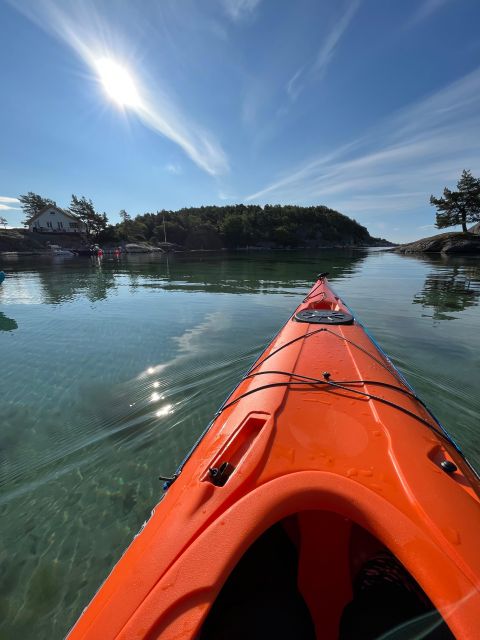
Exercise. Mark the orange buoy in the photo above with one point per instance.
(323, 501)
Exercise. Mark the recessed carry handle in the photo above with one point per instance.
(235, 450)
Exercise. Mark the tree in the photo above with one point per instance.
(32, 204)
(232, 230)
(85, 211)
(124, 216)
(461, 206)
(125, 224)
(211, 227)
(3, 221)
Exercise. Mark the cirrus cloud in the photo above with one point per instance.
(239, 9)
(395, 166)
(6, 203)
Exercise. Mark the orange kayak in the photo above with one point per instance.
(323, 501)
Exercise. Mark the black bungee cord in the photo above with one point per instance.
(341, 384)
(390, 369)
(327, 383)
(311, 294)
(380, 383)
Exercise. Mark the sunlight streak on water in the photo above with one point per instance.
(164, 411)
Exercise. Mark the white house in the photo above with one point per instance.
(55, 220)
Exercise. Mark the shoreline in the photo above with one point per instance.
(21, 242)
(160, 251)
(450, 243)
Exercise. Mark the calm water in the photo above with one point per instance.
(110, 371)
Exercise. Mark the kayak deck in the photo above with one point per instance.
(324, 460)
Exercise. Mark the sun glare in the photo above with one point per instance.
(118, 83)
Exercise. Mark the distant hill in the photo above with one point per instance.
(239, 226)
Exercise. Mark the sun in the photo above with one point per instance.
(118, 83)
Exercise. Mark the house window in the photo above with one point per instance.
(52, 213)
(60, 225)
(74, 225)
(49, 224)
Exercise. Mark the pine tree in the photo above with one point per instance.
(85, 211)
(461, 206)
(32, 204)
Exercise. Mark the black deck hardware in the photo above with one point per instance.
(448, 466)
(220, 475)
(323, 316)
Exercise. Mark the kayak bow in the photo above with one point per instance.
(323, 501)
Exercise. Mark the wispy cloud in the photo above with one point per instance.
(226, 196)
(426, 9)
(325, 54)
(85, 30)
(395, 166)
(173, 168)
(331, 41)
(8, 199)
(6, 203)
(240, 9)
(294, 86)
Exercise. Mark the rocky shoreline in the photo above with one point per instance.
(25, 243)
(445, 243)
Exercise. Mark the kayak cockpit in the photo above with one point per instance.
(319, 575)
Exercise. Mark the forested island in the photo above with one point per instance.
(204, 228)
(239, 226)
(243, 226)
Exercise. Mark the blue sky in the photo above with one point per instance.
(366, 106)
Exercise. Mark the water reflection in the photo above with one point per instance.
(7, 324)
(241, 272)
(86, 280)
(450, 289)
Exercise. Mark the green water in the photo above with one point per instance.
(109, 371)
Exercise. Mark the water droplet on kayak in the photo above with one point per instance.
(352, 472)
(366, 473)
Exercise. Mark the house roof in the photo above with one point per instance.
(65, 212)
